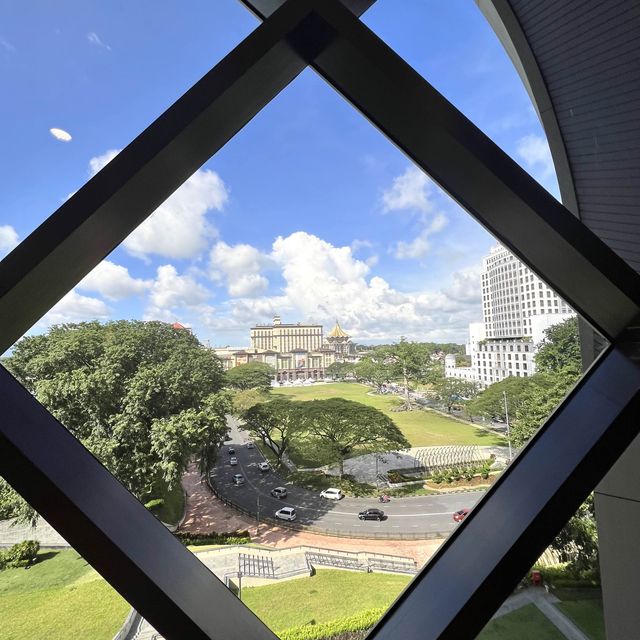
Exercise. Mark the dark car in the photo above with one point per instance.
(459, 516)
(231, 451)
(371, 514)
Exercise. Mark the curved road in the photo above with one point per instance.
(415, 517)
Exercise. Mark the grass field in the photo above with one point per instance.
(421, 428)
(328, 595)
(587, 615)
(60, 596)
(526, 623)
(333, 594)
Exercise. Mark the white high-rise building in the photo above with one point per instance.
(517, 307)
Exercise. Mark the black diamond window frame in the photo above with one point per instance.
(481, 562)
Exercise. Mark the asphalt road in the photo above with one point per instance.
(420, 516)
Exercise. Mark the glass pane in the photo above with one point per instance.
(302, 364)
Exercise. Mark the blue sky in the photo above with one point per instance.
(308, 212)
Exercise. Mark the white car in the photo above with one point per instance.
(286, 513)
(264, 466)
(233, 461)
(250, 445)
(332, 494)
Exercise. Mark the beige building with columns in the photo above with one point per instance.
(295, 351)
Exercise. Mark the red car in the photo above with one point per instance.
(459, 516)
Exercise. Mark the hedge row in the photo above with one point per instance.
(19, 555)
(358, 622)
(198, 539)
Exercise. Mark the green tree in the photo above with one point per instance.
(254, 375)
(128, 391)
(345, 426)
(410, 363)
(340, 370)
(559, 367)
(577, 543)
(276, 423)
(490, 403)
(452, 391)
(537, 404)
(559, 351)
(373, 370)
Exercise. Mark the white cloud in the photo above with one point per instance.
(466, 286)
(420, 245)
(8, 238)
(60, 134)
(409, 191)
(113, 282)
(94, 39)
(173, 295)
(76, 308)
(534, 151)
(179, 228)
(240, 267)
(99, 162)
(324, 282)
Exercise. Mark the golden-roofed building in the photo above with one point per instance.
(340, 341)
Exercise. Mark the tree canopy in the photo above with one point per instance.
(253, 375)
(452, 391)
(560, 349)
(345, 426)
(276, 423)
(142, 396)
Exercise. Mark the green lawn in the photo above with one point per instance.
(421, 428)
(587, 615)
(60, 596)
(526, 623)
(328, 595)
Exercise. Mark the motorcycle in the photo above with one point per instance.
(384, 498)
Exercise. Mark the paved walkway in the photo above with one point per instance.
(364, 468)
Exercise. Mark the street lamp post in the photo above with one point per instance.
(258, 514)
(506, 415)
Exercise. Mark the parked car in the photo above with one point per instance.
(264, 466)
(332, 494)
(459, 516)
(279, 492)
(238, 479)
(372, 514)
(286, 513)
(250, 445)
(233, 461)
(231, 451)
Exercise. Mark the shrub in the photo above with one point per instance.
(358, 622)
(19, 555)
(154, 504)
(200, 539)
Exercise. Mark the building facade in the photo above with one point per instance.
(297, 352)
(517, 308)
